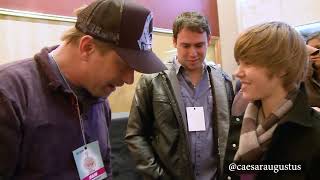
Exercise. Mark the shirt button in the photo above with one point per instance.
(238, 119)
(234, 145)
(229, 178)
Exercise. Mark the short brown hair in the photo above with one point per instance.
(276, 46)
(193, 21)
(73, 35)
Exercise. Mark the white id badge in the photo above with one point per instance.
(195, 116)
(89, 162)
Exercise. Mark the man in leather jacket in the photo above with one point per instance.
(179, 119)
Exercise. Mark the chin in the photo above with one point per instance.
(104, 95)
(100, 94)
(249, 97)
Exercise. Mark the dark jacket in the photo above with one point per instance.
(157, 135)
(39, 123)
(296, 141)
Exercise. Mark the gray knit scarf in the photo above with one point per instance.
(255, 137)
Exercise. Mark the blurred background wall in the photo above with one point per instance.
(28, 26)
(24, 32)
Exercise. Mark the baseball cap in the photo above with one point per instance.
(126, 25)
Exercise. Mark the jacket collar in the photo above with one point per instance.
(299, 113)
(171, 73)
(42, 61)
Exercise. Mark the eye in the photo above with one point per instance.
(185, 46)
(244, 63)
(199, 45)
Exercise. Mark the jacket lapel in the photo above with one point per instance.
(171, 73)
(223, 111)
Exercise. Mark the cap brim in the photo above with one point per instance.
(142, 61)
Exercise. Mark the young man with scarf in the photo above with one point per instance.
(278, 127)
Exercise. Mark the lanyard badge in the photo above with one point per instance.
(196, 121)
(88, 157)
(89, 162)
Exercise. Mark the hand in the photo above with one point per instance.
(316, 108)
(315, 60)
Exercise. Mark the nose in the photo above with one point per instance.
(128, 77)
(238, 72)
(193, 51)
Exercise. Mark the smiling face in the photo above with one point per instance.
(257, 83)
(191, 48)
(276, 46)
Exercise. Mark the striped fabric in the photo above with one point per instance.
(255, 137)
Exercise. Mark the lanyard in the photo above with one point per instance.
(80, 118)
(77, 101)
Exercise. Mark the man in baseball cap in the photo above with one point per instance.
(125, 25)
(54, 116)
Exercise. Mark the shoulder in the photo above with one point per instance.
(217, 69)
(147, 81)
(16, 68)
(17, 74)
(149, 78)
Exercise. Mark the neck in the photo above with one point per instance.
(272, 102)
(64, 56)
(195, 76)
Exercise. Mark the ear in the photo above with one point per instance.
(282, 73)
(86, 46)
(174, 41)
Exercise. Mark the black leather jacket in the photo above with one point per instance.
(157, 135)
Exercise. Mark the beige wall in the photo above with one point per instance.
(228, 33)
(23, 37)
(237, 15)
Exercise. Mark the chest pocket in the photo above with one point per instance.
(163, 112)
